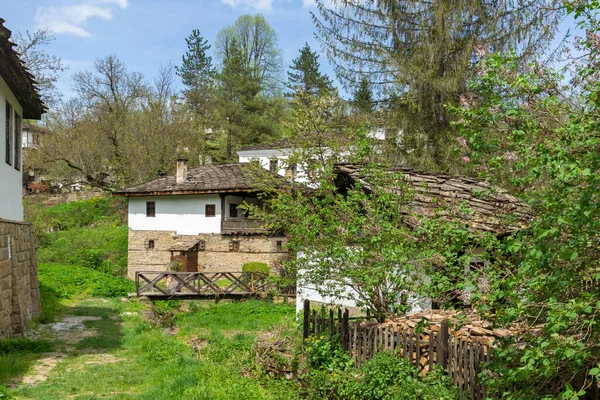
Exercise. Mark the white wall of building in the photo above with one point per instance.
(265, 157)
(11, 190)
(183, 214)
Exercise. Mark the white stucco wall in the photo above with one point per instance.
(183, 214)
(264, 157)
(11, 191)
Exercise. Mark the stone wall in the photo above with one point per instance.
(215, 257)
(19, 288)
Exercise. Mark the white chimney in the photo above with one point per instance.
(181, 170)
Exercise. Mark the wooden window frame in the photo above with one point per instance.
(234, 245)
(274, 165)
(150, 209)
(210, 210)
(8, 157)
(151, 244)
(279, 246)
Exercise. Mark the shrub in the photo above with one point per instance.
(261, 267)
(384, 377)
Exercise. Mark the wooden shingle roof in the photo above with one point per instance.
(473, 202)
(18, 79)
(217, 178)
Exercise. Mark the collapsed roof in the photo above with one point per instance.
(490, 209)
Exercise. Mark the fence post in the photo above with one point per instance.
(345, 330)
(442, 348)
(306, 330)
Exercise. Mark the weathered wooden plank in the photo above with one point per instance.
(442, 345)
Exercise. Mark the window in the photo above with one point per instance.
(18, 140)
(210, 210)
(291, 171)
(273, 165)
(234, 245)
(201, 245)
(151, 244)
(150, 209)
(233, 211)
(9, 135)
(279, 245)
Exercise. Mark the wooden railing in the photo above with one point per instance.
(166, 284)
(242, 225)
(362, 339)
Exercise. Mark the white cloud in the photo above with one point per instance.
(71, 19)
(263, 5)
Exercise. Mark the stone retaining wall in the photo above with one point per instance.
(19, 288)
(215, 257)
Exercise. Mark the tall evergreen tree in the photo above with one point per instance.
(197, 74)
(422, 52)
(304, 75)
(363, 97)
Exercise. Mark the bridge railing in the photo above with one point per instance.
(200, 284)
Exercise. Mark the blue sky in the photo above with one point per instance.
(147, 33)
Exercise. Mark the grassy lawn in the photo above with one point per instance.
(206, 354)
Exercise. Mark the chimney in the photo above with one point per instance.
(181, 170)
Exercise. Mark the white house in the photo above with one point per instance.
(19, 99)
(198, 211)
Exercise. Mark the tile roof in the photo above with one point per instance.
(214, 178)
(18, 79)
(491, 209)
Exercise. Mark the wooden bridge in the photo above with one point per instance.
(199, 285)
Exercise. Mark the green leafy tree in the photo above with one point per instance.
(249, 106)
(531, 128)
(422, 53)
(304, 76)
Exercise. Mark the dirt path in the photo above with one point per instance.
(66, 333)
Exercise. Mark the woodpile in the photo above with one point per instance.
(473, 329)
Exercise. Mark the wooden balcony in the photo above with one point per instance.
(242, 225)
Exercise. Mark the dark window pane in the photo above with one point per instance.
(9, 135)
(210, 210)
(150, 209)
(150, 244)
(233, 211)
(273, 165)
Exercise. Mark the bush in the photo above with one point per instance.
(384, 377)
(261, 267)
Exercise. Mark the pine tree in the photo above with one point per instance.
(363, 97)
(304, 75)
(197, 74)
(422, 52)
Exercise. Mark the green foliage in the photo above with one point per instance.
(304, 77)
(68, 281)
(363, 99)
(384, 377)
(261, 267)
(526, 127)
(325, 352)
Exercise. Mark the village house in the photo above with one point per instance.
(19, 100)
(491, 210)
(193, 221)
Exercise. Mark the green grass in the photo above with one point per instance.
(66, 281)
(88, 233)
(149, 363)
(17, 356)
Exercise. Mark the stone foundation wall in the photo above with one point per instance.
(215, 257)
(19, 288)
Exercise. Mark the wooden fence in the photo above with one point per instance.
(434, 346)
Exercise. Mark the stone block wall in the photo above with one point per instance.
(215, 257)
(19, 287)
